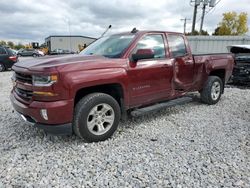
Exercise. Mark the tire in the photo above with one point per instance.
(2, 67)
(96, 117)
(34, 55)
(212, 90)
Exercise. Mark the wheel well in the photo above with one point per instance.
(220, 73)
(115, 90)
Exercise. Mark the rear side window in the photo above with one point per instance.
(154, 42)
(10, 52)
(177, 45)
(2, 51)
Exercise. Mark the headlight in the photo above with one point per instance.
(41, 80)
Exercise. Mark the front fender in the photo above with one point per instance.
(75, 81)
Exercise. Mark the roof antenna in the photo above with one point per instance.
(106, 31)
(134, 30)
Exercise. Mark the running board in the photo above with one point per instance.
(159, 106)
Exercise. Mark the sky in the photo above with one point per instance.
(32, 21)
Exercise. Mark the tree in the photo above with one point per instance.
(2, 42)
(216, 31)
(197, 33)
(10, 44)
(232, 24)
(204, 33)
(19, 46)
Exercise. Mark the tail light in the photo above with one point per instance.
(13, 58)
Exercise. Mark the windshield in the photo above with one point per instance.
(110, 46)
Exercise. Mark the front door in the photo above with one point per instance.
(150, 79)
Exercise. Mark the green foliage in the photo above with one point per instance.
(232, 24)
(216, 31)
(12, 44)
(197, 33)
(19, 46)
(2, 42)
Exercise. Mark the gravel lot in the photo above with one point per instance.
(193, 145)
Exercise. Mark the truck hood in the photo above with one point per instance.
(70, 62)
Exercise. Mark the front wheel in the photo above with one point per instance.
(96, 117)
(212, 90)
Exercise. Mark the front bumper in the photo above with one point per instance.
(62, 129)
(60, 114)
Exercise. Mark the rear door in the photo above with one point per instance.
(183, 61)
(150, 79)
(30, 52)
(26, 52)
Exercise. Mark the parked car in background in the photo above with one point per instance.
(60, 52)
(41, 53)
(7, 58)
(57, 52)
(241, 71)
(28, 52)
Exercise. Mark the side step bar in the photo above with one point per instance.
(159, 106)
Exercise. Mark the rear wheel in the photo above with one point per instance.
(96, 117)
(2, 68)
(212, 90)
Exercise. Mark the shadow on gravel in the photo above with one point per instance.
(162, 113)
(239, 86)
(33, 134)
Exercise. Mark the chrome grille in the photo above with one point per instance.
(25, 78)
(24, 94)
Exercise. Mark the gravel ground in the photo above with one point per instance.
(193, 145)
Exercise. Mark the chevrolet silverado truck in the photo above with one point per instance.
(130, 73)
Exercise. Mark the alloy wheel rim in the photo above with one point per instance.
(100, 119)
(215, 91)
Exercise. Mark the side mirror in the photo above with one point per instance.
(143, 54)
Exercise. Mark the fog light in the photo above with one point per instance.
(44, 114)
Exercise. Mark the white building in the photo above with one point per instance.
(215, 44)
(66, 42)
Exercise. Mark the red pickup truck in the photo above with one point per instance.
(133, 73)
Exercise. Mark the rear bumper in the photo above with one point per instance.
(9, 64)
(242, 79)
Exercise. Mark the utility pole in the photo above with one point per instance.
(205, 3)
(185, 24)
(196, 4)
(212, 3)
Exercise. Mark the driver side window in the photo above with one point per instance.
(154, 42)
